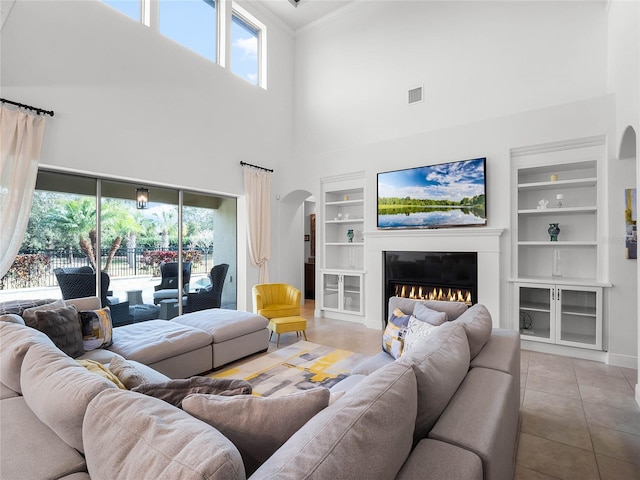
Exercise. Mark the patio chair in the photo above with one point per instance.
(168, 288)
(81, 282)
(211, 296)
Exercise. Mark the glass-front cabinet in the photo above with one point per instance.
(342, 292)
(561, 314)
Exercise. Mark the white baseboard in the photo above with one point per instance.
(627, 361)
(584, 354)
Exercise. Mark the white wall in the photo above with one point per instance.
(623, 79)
(497, 75)
(133, 104)
(477, 60)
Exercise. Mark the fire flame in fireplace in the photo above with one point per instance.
(433, 293)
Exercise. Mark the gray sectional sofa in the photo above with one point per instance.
(448, 409)
(184, 346)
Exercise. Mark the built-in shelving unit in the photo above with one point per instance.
(342, 245)
(558, 285)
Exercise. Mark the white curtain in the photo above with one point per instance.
(257, 187)
(20, 142)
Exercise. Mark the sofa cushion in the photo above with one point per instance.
(15, 341)
(128, 436)
(440, 364)
(482, 417)
(174, 391)
(132, 375)
(30, 449)
(347, 439)
(441, 461)
(50, 378)
(155, 340)
(417, 332)
(501, 352)
(425, 314)
(223, 324)
(62, 326)
(394, 333)
(257, 426)
(407, 305)
(12, 318)
(29, 314)
(477, 325)
(6, 392)
(97, 330)
(371, 364)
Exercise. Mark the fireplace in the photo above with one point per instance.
(449, 276)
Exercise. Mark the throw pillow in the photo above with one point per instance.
(426, 314)
(174, 391)
(257, 426)
(129, 375)
(394, 333)
(417, 331)
(477, 325)
(100, 369)
(63, 328)
(97, 329)
(29, 314)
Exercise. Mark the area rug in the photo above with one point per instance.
(300, 366)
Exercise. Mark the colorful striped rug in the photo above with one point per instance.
(300, 366)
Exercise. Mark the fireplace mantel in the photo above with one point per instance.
(485, 241)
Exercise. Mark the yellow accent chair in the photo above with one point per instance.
(276, 300)
(280, 303)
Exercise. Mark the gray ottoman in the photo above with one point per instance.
(236, 334)
(178, 351)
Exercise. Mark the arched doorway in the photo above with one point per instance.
(295, 247)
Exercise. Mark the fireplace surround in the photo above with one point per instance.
(484, 241)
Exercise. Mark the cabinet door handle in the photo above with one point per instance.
(553, 294)
(558, 294)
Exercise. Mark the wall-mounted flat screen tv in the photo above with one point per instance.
(435, 196)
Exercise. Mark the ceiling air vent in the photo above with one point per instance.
(415, 95)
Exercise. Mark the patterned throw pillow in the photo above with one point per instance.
(393, 336)
(417, 331)
(97, 330)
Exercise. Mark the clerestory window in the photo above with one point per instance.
(199, 25)
(191, 23)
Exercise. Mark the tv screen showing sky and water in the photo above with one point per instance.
(435, 196)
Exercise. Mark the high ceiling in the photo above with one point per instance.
(306, 11)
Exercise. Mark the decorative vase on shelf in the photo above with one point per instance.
(350, 236)
(554, 231)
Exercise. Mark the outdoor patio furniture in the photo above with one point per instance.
(168, 287)
(211, 296)
(81, 282)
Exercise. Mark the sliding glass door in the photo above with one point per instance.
(78, 222)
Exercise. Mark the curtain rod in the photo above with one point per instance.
(28, 107)
(255, 166)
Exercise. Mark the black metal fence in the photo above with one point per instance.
(35, 269)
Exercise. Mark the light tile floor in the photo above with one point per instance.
(578, 418)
